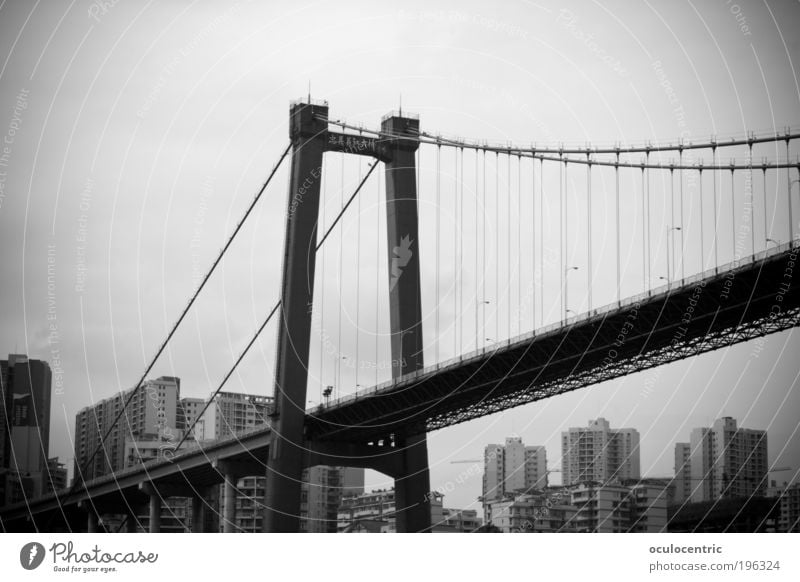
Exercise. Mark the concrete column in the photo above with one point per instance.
(229, 503)
(131, 524)
(155, 512)
(198, 514)
(308, 130)
(412, 485)
(91, 521)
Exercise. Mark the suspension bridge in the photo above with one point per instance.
(501, 274)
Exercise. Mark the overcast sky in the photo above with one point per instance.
(136, 135)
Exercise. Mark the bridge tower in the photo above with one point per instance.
(308, 127)
(407, 458)
(412, 485)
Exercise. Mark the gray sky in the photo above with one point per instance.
(137, 137)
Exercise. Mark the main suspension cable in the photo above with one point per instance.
(269, 317)
(184, 312)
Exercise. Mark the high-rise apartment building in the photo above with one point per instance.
(230, 413)
(25, 386)
(599, 454)
(56, 476)
(151, 415)
(637, 506)
(513, 467)
(321, 495)
(723, 461)
(189, 410)
(682, 481)
(788, 511)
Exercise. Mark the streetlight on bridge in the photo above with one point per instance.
(566, 289)
(670, 230)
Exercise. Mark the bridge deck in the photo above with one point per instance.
(187, 472)
(739, 301)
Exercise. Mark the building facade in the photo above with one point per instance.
(512, 467)
(788, 519)
(597, 453)
(535, 512)
(228, 414)
(460, 520)
(637, 506)
(374, 512)
(56, 477)
(321, 495)
(724, 461)
(376, 506)
(150, 416)
(25, 391)
(683, 473)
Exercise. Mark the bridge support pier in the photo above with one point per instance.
(154, 505)
(131, 522)
(413, 485)
(198, 514)
(155, 513)
(308, 130)
(229, 503)
(91, 521)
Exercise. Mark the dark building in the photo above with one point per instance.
(56, 477)
(25, 418)
(733, 515)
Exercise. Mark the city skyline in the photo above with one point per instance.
(599, 465)
(513, 474)
(134, 153)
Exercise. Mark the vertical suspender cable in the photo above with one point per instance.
(497, 246)
(566, 237)
(456, 207)
(589, 228)
(644, 235)
(764, 182)
(378, 277)
(541, 239)
(483, 253)
(519, 244)
(561, 234)
(733, 215)
(534, 232)
(702, 234)
(339, 355)
(789, 192)
(647, 212)
(475, 272)
(752, 199)
(683, 243)
(508, 236)
(461, 256)
(619, 272)
(438, 236)
(714, 199)
(671, 227)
